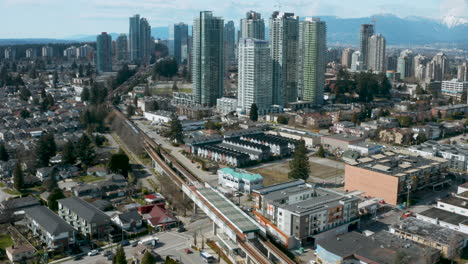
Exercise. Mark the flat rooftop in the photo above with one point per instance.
(455, 201)
(396, 164)
(445, 216)
(344, 137)
(233, 213)
(381, 247)
(427, 230)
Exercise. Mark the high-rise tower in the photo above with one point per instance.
(208, 58)
(284, 36)
(252, 26)
(312, 59)
(254, 84)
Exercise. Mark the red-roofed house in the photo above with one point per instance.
(154, 198)
(157, 216)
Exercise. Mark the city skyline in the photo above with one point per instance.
(88, 17)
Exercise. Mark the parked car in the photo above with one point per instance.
(124, 243)
(107, 252)
(78, 257)
(93, 253)
(110, 256)
(181, 229)
(134, 243)
(188, 251)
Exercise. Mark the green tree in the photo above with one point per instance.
(405, 121)
(18, 177)
(56, 79)
(148, 258)
(51, 183)
(421, 138)
(165, 68)
(253, 112)
(45, 149)
(130, 110)
(68, 153)
(175, 129)
(119, 257)
(355, 118)
(419, 90)
(25, 94)
(299, 165)
(282, 120)
(85, 151)
(119, 163)
(321, 152)
(85, 94)
(55, 195)
(4, 156)
(175, 88)
(25, 113)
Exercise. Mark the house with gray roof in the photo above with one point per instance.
(85, 217)
(49, 228)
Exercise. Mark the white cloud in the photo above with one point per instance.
(457, 8)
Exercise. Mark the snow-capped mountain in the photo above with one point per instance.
(453, 21)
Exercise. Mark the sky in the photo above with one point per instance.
(66, 18)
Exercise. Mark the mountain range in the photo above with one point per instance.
(345, 31)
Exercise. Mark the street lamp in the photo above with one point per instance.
(408, 186)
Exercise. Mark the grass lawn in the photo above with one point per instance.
(5, 241)
(278, 172)
(2, 184)
(88, 178)
(11, 191)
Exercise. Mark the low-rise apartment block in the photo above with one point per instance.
(448, 110)
(391, 174)
(49, 228)
(299, 214)
(239, 180)
(457, 155)
(83, 216)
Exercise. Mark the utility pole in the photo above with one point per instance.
(408, 186)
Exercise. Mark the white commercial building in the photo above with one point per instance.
(454, 88)
(255, 79)
(239, 180)
(226, 105)
(366, 148)
(160, 117)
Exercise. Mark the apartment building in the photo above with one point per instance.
(457, 155)
(298, 214)
(454, 89)
(391, 174)
(49, 228)
(87, 219)
(239, 180)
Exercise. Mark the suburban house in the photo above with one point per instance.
(128, 220)
(85, 217)
(157, 216)
(20, 253)
(49, 228)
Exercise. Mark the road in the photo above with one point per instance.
(171, 244)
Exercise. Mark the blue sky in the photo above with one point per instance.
(64, 18)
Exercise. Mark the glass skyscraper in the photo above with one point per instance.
(312, 59)
(208, 59)
(284, 35)
(104, 53)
